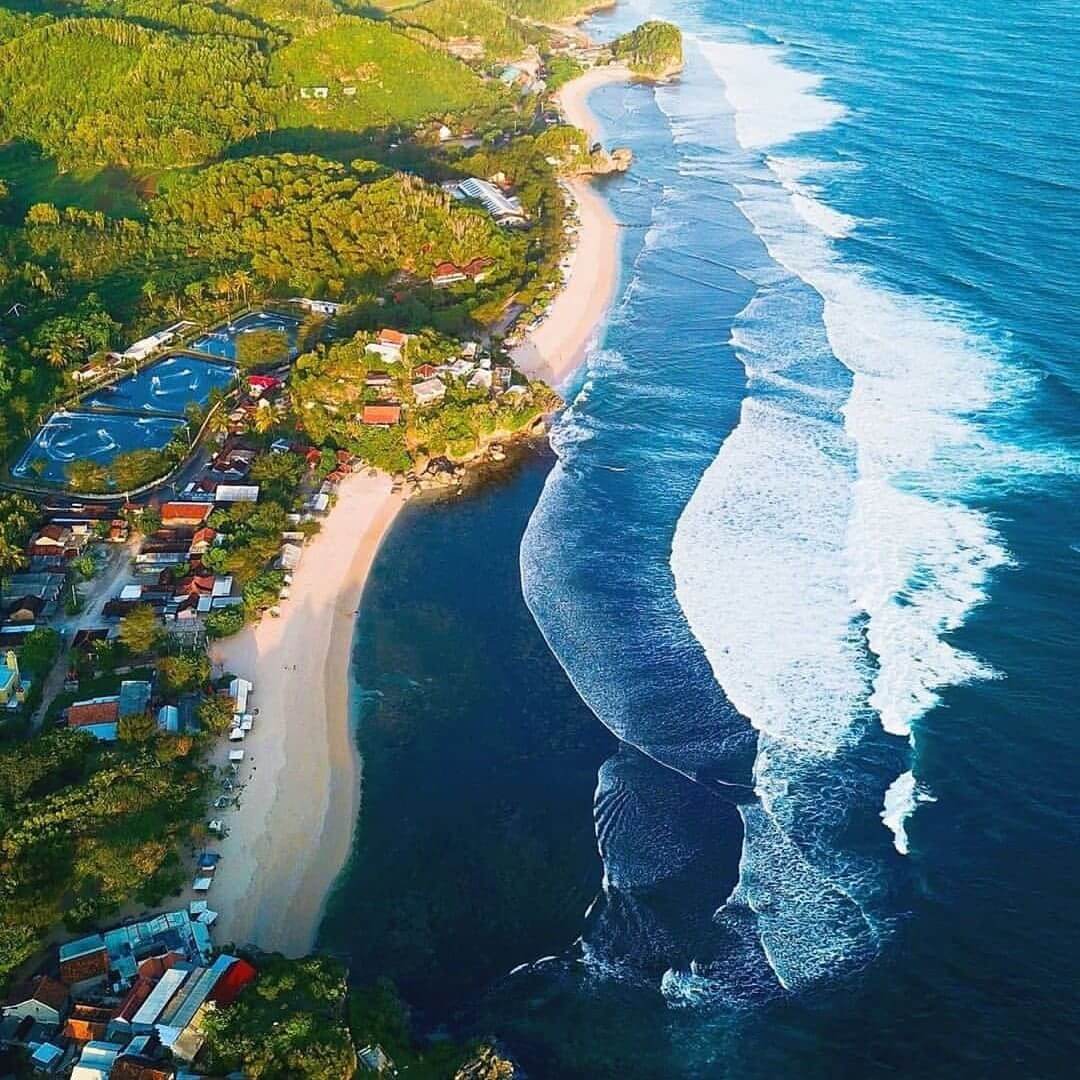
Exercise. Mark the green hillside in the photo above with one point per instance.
(106, 91)
(374, 76)
(653, 49)
(503, 36)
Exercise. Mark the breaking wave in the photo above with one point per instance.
(825, 555)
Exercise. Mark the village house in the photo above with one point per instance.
(447, 273)
(98, 716)
(236, 493)
(460, 368)
(56, 541)
(429, 391)
(87, 1023)
(381, 415)
(13, 687)
(480, 380)
(389, 344)
(185, 513)
(201, 541)
(42, 999)
(96, 1061)
(84, 963)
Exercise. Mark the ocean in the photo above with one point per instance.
(807, 559)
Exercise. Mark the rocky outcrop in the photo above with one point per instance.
(601, 162)
(488, 1064)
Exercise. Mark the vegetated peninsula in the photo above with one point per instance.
(266, 267)
(652, 50)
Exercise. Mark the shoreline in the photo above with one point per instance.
(302, 772)
(553, 350)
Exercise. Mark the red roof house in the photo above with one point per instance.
(261, 383)
(393, 337)
(185, 513)
(101, 711)
(228, 987)
(424, 371)
(446, 273)
(476, 269)
(87, 1022)
(381, 415)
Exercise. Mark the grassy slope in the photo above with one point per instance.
(397, 79)
(504, 37)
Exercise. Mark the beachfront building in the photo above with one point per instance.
(505, 209)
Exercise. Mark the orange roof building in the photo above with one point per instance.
(393, 337)
(185, 513)
(381, 415)
(95, 711)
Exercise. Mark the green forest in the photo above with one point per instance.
(166, 160)
(653, 49)
(152, 168)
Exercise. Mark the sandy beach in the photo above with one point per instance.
(554, 349)
(300, 796)
(301, 776)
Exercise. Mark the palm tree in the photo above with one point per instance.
(242, 282)
(56, 354)
(149, 290)
(263, 420)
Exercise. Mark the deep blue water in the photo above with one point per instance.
(810, 552)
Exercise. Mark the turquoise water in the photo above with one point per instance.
(810, 553)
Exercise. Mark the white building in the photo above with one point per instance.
(429, 391)
(390, 353)
(321, 307)
(505, 209)
(144, 347)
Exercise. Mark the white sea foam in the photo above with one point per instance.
(773, 102)
(901, 800)
(825, 553)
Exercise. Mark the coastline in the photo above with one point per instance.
(302, 775)
(300, 802)
(554, 349)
